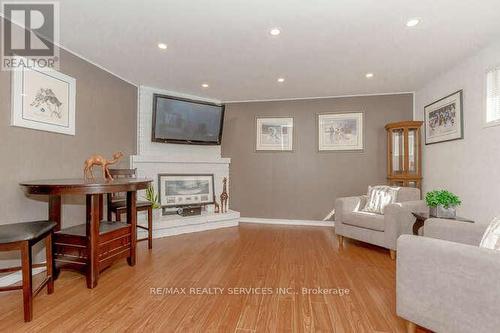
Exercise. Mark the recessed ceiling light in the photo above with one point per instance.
(412, 22)
(281, 80)
(369, 75)
(275, 31)
(162, 46)
(204, 85)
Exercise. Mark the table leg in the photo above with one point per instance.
(419, 223)
(108, 208)
(101, 206)
(93, 214)
(55, 209)
(132, 220)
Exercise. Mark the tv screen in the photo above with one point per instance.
(178, 120)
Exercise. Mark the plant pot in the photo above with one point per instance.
(442, 212)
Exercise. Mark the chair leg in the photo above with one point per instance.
(26, 263)
(118, 215)
(393, 254)
(50, 264)
(150, 228)
(340, 240)
(411, 327)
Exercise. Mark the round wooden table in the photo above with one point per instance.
(91, 247)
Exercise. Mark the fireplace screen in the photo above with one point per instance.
(178, 190)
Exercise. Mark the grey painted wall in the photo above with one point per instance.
(106, 111)
(304, 184)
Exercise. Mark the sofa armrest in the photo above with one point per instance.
(446, 286)
(398, 219)
(454, 231)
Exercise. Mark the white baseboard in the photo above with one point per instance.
(313, 223)
(16, 277)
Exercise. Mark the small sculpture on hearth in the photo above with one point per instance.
(216, 206)
(98, 160)
(224, 196)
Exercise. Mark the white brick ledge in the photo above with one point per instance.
(179, 159)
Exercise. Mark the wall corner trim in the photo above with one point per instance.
(414, 113)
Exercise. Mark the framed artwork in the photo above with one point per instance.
(274, 134)
(177, 190)
(444, 119)
(43, 100)
(340, 131)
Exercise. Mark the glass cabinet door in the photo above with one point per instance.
(398, 152)
(413, 151)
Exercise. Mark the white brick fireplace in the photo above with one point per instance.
(156, 158)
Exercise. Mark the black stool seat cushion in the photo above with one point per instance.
(24, 231)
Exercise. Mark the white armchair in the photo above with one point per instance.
(445, 281)
(382, 230)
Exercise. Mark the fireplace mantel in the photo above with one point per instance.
(150, 166)
(155, 158)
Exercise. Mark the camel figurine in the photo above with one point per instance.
(224, 196)
(101, 161)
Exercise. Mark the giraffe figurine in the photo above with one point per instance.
(224, 196)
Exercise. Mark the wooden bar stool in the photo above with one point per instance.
(118, 205)
(22, 237)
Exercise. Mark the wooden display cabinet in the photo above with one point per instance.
(404, 154)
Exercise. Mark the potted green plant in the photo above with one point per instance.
(442, 203)
(152, 197)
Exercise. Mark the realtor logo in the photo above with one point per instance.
(30, 31)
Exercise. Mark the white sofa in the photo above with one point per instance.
(382, 230)
(446, 282)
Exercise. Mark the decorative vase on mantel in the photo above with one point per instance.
(443, 212)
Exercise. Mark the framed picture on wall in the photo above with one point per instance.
(274, 134)
(444, 119)
(340, 131)
(43, 100)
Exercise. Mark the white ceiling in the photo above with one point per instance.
(325, 48)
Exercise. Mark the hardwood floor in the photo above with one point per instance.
(249, 256)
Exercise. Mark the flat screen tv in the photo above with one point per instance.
(180, 120)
